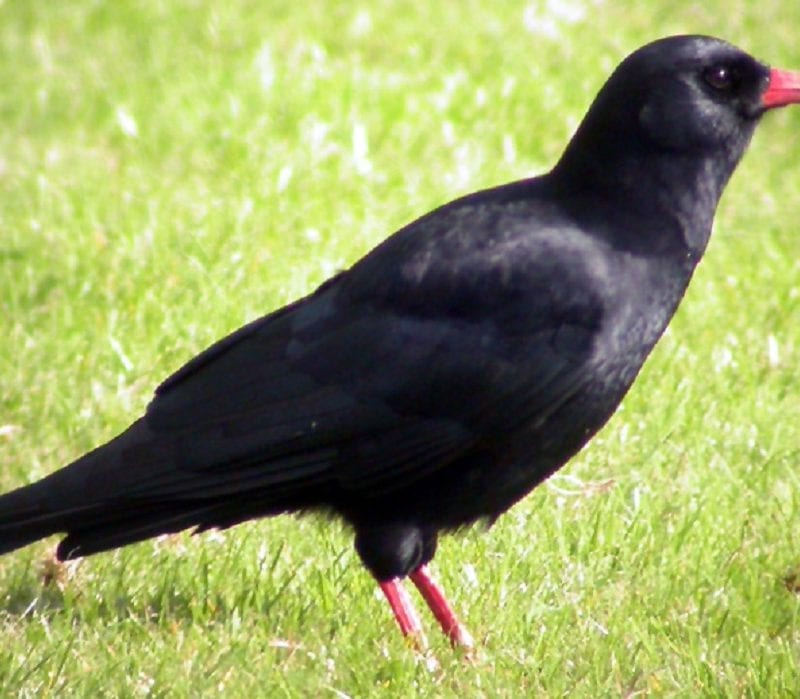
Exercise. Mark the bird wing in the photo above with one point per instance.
(390, 371)
(266, 410)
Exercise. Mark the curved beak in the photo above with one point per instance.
(783, 89)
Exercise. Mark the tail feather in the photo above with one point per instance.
(23, 520)
(123, 530)
(82, 500)
(131, 489)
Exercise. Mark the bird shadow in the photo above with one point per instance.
(49, 588)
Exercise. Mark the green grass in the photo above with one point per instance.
(169, 170)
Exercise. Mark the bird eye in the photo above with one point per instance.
(721, 77)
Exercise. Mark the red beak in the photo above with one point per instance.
(783, 89)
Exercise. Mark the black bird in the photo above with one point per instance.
(458, 364)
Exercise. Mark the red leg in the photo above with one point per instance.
(404, 611)
(434, 597)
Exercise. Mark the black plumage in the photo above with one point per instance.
(458, 364)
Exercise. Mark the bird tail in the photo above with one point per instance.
(23, 520)
(83, 501)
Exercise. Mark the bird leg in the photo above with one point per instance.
(404, 612)
(434, 597)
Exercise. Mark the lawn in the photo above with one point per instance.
(172, 169)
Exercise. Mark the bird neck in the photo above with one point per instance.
(659, 201)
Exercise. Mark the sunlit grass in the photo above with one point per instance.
(170, 170)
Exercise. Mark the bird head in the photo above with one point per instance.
(666, 131)
(689, 95)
